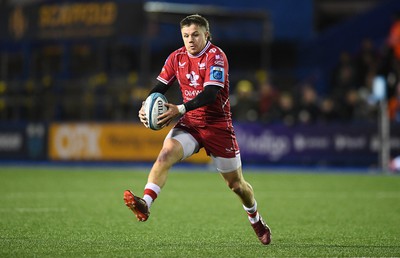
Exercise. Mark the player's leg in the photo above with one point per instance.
(231, 171)
(171, 153)
(238, 185)
(178, 145)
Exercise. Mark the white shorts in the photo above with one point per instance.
(191, 146)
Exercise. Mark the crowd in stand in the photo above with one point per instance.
(349, 98)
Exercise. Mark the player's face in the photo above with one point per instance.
(194, 37)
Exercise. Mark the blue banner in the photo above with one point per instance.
(21, 141)
(12, 141)
(344, 145)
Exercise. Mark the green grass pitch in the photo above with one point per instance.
(79, 212)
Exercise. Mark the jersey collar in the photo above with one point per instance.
(201, 52)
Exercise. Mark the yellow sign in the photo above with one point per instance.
(108, 142)
(87, 14)
(73, 19)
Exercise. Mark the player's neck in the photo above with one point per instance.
(208, 43)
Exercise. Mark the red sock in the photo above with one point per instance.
(151, 192)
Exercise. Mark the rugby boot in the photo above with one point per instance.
(262, 230)
(137, 205)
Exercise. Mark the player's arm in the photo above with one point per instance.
(159, 87)
(207, 96)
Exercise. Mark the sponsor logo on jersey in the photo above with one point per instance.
(190, 94)
(193, 77)
(182, 65)
(213, 50)
(202, 66)
(219, 62)
(217, 74)
(228, 150)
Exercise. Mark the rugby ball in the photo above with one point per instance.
(154, 106)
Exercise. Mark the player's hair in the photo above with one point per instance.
(198, 20)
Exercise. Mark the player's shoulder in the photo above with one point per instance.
(179, 51)
(215, 50)
(176, 54)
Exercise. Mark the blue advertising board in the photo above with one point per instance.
(23, 141)
(344, 145)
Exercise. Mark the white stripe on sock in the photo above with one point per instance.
(255, 219)
(147, 198)
(251, 209)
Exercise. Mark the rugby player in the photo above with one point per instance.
(202, 70)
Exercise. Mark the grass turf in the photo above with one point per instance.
(64, 212)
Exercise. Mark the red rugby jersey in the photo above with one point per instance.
(194, 72)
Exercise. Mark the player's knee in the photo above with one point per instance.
(168, 156)
(165, 155)
(240, 187)
(236, 187)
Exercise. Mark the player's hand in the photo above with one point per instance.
(166, 118)
(142, 116)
